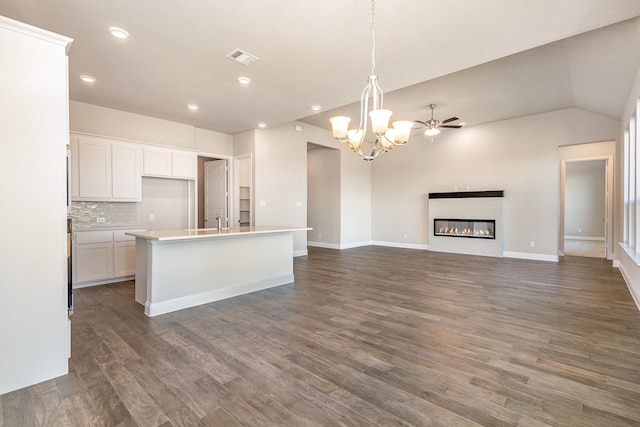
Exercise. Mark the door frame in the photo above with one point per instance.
(609, 181)
(227, 208)
(236, 188)
(230, 182)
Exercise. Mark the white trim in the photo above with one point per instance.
(30, 30)
(103, 282)
(356, 244)
(595, 238)
(401, 245)
(530, 256)
(162, 307)
(323, 245)
(302, 252)
(634, 288)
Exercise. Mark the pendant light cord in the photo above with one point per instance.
(373, 38)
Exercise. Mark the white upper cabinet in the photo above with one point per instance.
(126, 171)
(157, 162)
(168, 163)
(104, 169)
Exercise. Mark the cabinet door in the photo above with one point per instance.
(93, 261)
(94, 168)
(185, 164)
(126, 171)
(124, 258)
(157, 162)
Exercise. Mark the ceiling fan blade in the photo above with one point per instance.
(420, 124)
(451, 119)
(451, 126)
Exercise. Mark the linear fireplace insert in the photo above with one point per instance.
(471, 228)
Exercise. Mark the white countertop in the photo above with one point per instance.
(207, 233)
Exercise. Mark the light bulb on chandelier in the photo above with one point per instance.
(384, 137)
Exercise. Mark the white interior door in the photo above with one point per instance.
(216, 194)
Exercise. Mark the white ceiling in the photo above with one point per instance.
(480, 60)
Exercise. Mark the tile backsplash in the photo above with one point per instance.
(86, 214)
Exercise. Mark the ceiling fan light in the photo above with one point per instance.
(402, 130)
(432, 132)
(339, 125)
(380, 121)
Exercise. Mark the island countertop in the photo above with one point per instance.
(207, 233)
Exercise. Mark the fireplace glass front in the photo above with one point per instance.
(472, 228)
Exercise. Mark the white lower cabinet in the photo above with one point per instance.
(93, 261)
(124, 255)
(103, 257)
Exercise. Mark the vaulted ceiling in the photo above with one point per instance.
(481, 61)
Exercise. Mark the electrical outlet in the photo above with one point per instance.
(101, 220)
(406, 236)
(152, 217)
(319, 235)
(532, 244)
(579, 230)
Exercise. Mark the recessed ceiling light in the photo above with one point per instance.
(192, 107)
(316, 107)
(88, 79)
(119, 33)
(262, 125)
(244, 80)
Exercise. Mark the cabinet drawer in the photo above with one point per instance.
(94, 237)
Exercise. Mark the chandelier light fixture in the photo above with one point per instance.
(384, 138)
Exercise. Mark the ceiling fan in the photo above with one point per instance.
(433, 125)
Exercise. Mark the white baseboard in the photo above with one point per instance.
(323, 245)
(102, 282)
(401, 245)
(338, 246)
(530, 256)
(303, 252)
(181, 303)
(594, 238)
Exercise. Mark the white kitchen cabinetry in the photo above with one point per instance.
(101, 257)
(168, 163)
(124, 254)
(126, 170)
(93, 256)
(105, 170)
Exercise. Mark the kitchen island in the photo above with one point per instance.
(177, 269)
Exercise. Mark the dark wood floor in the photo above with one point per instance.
(366, 336)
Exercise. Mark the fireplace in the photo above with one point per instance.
(469, 228)
(467, 222)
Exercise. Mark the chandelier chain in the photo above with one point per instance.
(373, 38)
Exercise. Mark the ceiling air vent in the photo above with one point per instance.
(242, 57)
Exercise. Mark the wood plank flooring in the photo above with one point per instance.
(366, 336)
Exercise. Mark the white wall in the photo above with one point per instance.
(280, 179)
(167, 200)
(585, 199)
(355, 198)
(34, 326)
(519, 156)
(323, 183)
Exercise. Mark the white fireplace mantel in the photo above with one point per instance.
(472, 205)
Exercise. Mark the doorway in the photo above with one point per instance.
(213, 191)
(585, 213)
(243, 191)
